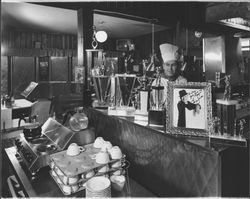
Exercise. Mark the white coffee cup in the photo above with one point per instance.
(117, 182)
(98, 142)
(70, 180)
(74, 149)
(117, 164)
(115, 152)
(102, 158)
(53, 173)
(117, 172)
(58, 180)
(52, 165)
(74, 188)
(106, 146)
(66, 189)
(59, 172)
(89, 174)
(103, 169)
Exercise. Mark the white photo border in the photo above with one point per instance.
(170, 129)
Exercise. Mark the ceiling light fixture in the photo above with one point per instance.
(98, 36)
(101, 36)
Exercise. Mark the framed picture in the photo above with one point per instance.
(79, 74)
(189, 109)
(43, 69)
(29, 89)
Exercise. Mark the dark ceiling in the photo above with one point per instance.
(189, 14)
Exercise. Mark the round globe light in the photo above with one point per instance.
(101, 36)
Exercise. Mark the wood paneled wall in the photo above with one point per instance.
(23, 43)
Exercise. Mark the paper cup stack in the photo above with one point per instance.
(98, 187)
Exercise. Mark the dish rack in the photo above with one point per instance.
(64, 166)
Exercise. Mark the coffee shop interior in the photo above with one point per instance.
(92, 105)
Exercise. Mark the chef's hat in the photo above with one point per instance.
(169, 52)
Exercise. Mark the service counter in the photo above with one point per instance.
(171, 166)
(161, 165)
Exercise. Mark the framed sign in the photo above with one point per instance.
(189, 109)
(43, 69)
(29, 89)
(79, 74)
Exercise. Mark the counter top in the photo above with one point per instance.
(217, 145)
(175, 166)
(45, 186)
(19, 103)
(165, 165)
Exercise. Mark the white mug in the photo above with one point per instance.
(74, 149)
(66, 189)
(117, 182)
(103, 169)
(115, 152)
(117, 164)
(102, 158)
(89, 174)
(70, 180)
(74, 188)
(59, 172)
(99, 141)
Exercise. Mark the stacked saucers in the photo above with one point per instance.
(98, 187)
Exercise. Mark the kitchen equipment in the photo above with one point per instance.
(34, 153)
(35, 145)
(32, 131)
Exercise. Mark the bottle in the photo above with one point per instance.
(79, 120)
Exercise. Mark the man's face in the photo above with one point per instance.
(185, 99)
(170, 68)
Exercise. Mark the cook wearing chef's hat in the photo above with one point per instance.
(171, 56)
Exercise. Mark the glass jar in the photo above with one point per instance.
(79, 120)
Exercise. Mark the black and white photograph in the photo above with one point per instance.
(189, 108)
(125, 99)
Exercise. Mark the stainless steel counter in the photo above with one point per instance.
(45, 186)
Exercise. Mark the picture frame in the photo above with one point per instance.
(195, 117)
(43, 70)
(79, 74)
(30, 88)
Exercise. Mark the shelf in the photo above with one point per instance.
(94, 50)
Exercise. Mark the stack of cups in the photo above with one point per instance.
(98, 187)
